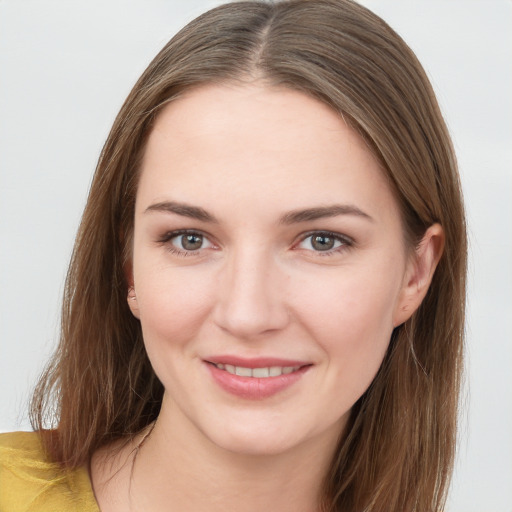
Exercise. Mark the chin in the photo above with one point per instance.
(255, 443)
(272, 438)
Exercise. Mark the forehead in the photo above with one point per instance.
(258, 143)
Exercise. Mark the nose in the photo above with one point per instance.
(251, 297)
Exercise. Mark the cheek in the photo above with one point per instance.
(351, 319)
(355, 300)
(173, 304)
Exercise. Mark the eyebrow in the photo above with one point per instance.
(323, 212)
(293, 217)
(183, 209)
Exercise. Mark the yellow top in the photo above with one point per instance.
(30, 483)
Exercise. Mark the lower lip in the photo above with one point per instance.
(254, 388)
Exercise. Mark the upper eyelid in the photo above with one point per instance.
(168, 235)
(333, 234)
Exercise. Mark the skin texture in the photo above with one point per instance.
(259, 286)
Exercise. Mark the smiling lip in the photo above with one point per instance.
(255, 378)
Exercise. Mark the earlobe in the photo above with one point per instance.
(419, 274)
(132, 302)
(132, 296)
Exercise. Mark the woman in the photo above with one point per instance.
(266, 299)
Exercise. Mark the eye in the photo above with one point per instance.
(189, 241)
(322, 241)
(185, 242)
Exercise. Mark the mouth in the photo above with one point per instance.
(259, 373)
(256, 379)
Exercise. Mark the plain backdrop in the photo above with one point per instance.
(65, 68)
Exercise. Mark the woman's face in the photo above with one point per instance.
(269, 266)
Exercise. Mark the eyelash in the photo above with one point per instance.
(167, 238)
(345, 242)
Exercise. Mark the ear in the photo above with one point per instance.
(132, 302)
(132, 296)
(420, 270)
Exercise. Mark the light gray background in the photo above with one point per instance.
(65, 68)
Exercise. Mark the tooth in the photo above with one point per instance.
(220, 366)
(287, 369)
(275, 371)
(260, 372)
(230, 368)
(243, 372)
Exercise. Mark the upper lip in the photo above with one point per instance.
(255, 362)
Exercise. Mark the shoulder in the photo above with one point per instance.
(29, 482)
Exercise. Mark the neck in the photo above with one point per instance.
(179, 468)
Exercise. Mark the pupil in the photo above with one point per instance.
(191, 242)
(322, 243)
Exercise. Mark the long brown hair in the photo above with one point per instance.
(397, 451)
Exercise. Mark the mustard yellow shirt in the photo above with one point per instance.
(30, 483)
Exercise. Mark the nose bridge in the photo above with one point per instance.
(251, 295)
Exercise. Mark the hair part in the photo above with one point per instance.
(397, 450)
